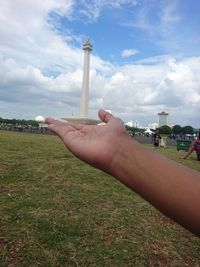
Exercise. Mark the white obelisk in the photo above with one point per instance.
(87, 47)
(83, 119)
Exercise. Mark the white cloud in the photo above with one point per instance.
(169, 12)
(130, 91)
(129, 52)
(91, 9)
(27, 37)
(144, 90)
(141, 18)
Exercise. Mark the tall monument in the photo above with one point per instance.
(87, 47)
(83, 119)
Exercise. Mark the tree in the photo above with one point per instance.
(165, 129)
(177, 129)
(188, 130)
(19, 122)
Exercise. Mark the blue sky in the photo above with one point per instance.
(150, 27)
(146, 58)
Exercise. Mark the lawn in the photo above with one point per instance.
(57, 211)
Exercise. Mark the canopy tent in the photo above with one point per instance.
(148, 131)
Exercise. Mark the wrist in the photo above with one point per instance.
(123, 155)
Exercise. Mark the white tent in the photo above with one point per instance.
(148, 131)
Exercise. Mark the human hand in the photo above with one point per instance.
(97, 145)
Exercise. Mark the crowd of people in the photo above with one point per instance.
(25, 128)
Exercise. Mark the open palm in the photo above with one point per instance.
(95, 145)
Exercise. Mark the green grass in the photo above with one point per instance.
(57, 211)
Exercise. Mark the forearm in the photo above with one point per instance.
(172, 188)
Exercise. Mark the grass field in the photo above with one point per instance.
(57, 211)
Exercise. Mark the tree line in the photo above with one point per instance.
(165, 129)
(19, 122)
(177, 130)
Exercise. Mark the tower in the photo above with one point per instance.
(83, 119)
(87, 47)
(163, 118)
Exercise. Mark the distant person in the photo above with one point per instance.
(195, 147)
(156, 139)
(171, 187)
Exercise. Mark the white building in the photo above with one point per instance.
(163, 118)
(130, 123)
(137, 124)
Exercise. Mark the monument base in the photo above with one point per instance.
(86, 121)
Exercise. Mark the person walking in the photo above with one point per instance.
(156, 139)
(195, 147)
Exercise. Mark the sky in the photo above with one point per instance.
(146, 58)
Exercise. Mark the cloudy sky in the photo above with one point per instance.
(146, 58)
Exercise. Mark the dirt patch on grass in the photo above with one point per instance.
(162, 253)
(12, 252)
(4, 189)
(158, 218)
(3, 167)
(40, 212)
(51, 177)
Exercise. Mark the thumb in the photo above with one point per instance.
(105, 116)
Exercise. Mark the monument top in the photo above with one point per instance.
(87, 41)
(87, 45)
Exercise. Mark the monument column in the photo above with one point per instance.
(87, 47)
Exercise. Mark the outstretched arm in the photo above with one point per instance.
(172, 188)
